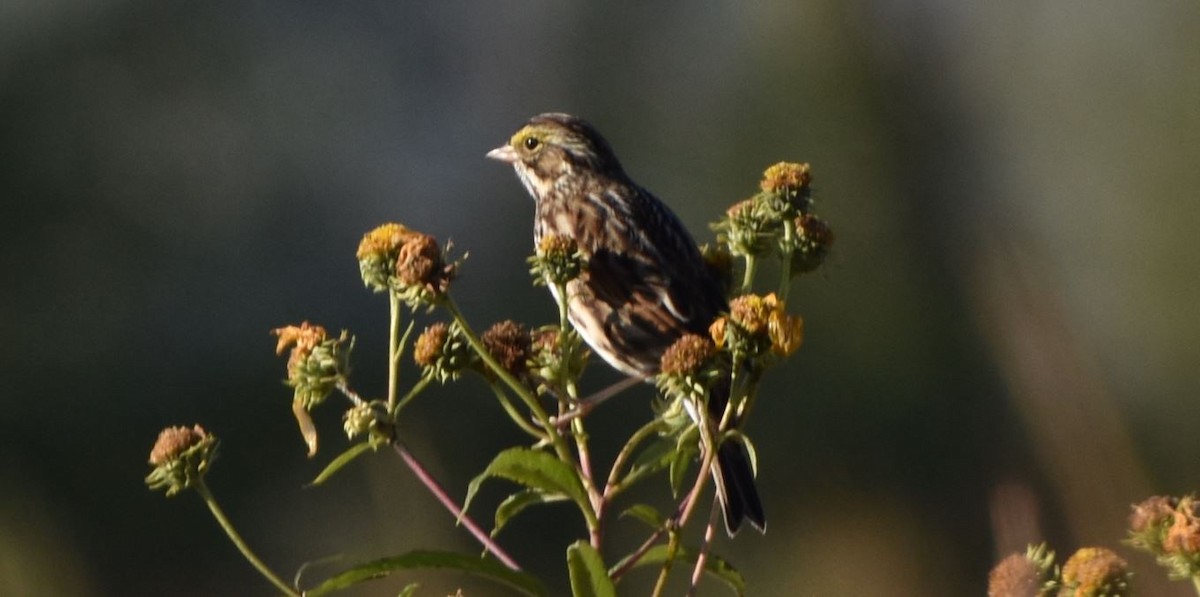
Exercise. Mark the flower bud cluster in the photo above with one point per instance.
(778, 217)
(408, 263)
(757, 325)
(1169, 528)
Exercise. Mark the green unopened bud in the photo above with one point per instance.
(180, 457)
(363, 418)
(557, 360)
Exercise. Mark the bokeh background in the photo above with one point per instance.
(1002, 350)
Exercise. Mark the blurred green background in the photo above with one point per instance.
(1003, 348)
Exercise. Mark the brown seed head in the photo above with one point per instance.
(419, 261)
(429, 344)
(688, 355)
(1015, 576)
(509, 343)
(174, 441)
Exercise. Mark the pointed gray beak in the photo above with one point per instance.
(504, 153)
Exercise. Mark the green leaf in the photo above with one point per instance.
(534, 469)
(657, 456)
(687, 446)
(409, 590)
(342, 460)
(486, 568)
(714, 566)
(588, 576)
(515, 503)
(645, 513)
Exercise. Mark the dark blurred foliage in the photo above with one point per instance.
(1002, 350)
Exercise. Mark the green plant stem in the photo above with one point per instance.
(615, 484)
(785, 270)
(748, 277)
(660, 585)
(516, 415)
(412, 393)
(561, 449)
(393, 348)
(206, 495)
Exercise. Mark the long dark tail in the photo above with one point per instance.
(736, 489)
(734, 475)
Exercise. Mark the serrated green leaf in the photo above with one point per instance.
(534, 469)
(589, 578)
(645, 513)
(486, 568)
(714, 566)
(342, 460)
(515, 503)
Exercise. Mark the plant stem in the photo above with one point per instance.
(442, 496)
(393, 341)
(207, 496)
(785, 270)
(616, 485)
(660, 585)
(748, 278)
(1196, 584)
(702, 557)
(412, 393)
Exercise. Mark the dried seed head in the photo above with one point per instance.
(509, 343)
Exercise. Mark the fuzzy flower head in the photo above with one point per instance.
(688, 367)
(1027, 575)
(748, 228)
(180, 458)
(556, 261)
(786, 177)
(442, 352)
(1095, 572)
(409, 263)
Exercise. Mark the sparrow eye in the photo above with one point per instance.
(531, 143)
